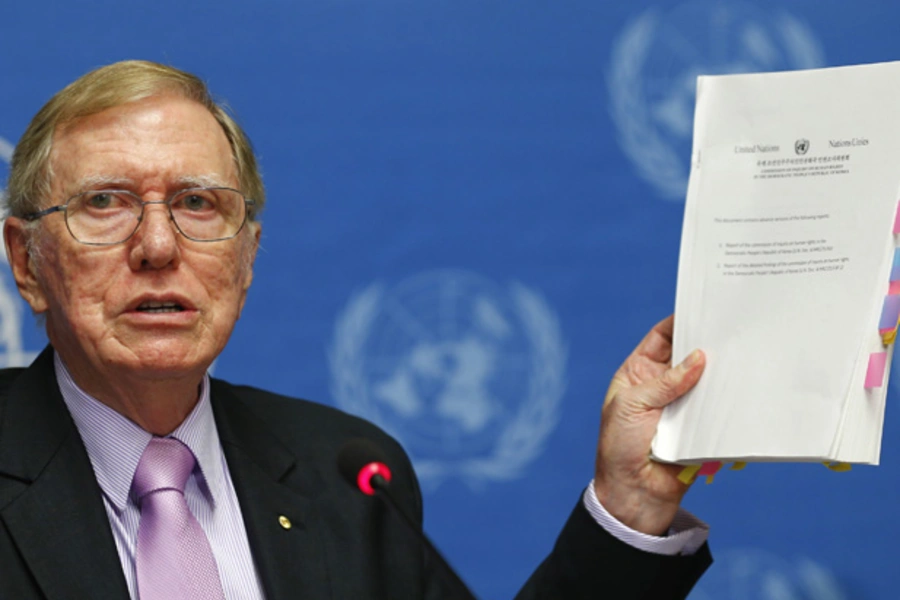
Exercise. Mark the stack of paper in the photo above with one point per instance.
(785, 267)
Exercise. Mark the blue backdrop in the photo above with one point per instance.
(475, 209)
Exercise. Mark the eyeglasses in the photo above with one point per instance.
(108, 217)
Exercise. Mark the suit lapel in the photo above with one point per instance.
(290, 558)
(50, 501)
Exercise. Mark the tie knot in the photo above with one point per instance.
(165, 464)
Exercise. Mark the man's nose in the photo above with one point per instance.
(157, 238)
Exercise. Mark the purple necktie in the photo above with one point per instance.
(174, 558)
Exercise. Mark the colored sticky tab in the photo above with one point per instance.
(688, 473)
(838, 467)
(889, 314)
(897, 219)
(709, 468)
(895, 267)
(875, 371)
(894, 288)
(738, 466)
(888, 337)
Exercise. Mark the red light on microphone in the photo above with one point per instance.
(368, 472)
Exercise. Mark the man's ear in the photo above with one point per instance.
(253, 242)
(256, 232)
(15, 237)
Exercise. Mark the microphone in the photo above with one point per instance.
(364, 466)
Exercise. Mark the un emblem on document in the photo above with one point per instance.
(753, 574)
(12, 307)
(468, 375)
(655, 63)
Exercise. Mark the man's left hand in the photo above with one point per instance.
(642, 494)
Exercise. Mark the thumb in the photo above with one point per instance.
(675, 382)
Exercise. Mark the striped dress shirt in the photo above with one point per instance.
(114, 445)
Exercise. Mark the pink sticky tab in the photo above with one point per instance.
(875, 372)
(897, 219)
(894, 288)
(709, 468)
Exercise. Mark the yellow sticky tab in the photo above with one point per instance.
(738, 466)
(709, 479)
(839, 467)
(688, 473)
(888, 338)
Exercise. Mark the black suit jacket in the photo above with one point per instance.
(56, 543)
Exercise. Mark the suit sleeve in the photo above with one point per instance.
(588, 562)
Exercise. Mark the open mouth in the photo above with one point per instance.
(160, 307)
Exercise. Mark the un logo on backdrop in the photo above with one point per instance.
(12, 352)
(753, 574)
(468, 375)
(655, 63)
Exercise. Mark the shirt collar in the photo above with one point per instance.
(115, 444)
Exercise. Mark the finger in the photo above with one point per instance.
(674, 383)
(657, 344)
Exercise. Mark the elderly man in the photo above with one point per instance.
(125, 471)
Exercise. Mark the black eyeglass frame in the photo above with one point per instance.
(248, 202)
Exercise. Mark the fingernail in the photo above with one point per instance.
(692, 359)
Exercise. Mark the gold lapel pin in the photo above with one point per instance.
(284, 522)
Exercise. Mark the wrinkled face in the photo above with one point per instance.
(158, 305)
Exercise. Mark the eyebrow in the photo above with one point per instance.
(201, 181)
(99, 181)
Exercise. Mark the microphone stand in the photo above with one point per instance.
(382, 486)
